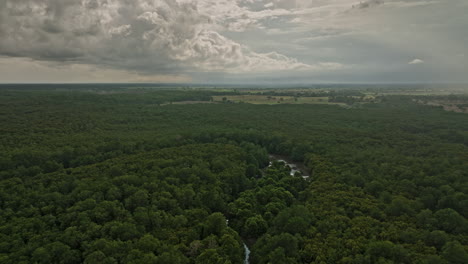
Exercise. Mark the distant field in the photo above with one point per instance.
(459, 106)
(263, 99)
(426, 92)
(189, 102)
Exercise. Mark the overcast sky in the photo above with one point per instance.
(234, 41)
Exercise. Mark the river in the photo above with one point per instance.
(247, 254)
(295, 166)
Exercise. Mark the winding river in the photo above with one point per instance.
(295, 167)
(247, 254)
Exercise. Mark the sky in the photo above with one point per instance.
(234, 41)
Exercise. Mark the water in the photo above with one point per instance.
(247, 254)
(294, 168)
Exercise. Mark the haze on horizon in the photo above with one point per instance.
(238, 41)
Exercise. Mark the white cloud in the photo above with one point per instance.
(124, 30)
(416, 61)
(164, 37)
(148, 36)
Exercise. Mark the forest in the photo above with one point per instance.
(109, 174)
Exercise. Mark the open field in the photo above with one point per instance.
(459, 106)
(190, 102)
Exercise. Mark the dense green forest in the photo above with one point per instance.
(117, 175)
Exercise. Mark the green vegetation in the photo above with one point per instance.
(268, 99)
(119, 175)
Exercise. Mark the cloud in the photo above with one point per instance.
(416, 61)
(368, 4)
(240, 37)
(145, 36)
(12, 70)
(210, 51)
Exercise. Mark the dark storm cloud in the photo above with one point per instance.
(202, 39)
(146, 36)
